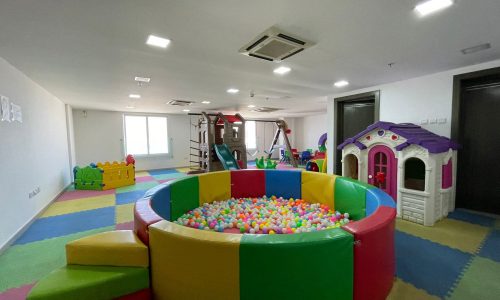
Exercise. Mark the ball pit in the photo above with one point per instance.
(263, 215)
(354, 260)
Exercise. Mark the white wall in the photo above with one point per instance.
(413, 100)
(33, 153)
(99, 138)
(308, 131)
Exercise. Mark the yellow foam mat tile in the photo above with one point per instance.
(124, 213)
(71, 206)
(318, 188)
(215, 186)
(142, 174)
(456, 234)
(111, 248)
(172, 267)
(183, 170)
(405, 291)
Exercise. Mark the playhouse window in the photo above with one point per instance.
(351, 166)
(145, 135)
(414, 174)
(250, 135)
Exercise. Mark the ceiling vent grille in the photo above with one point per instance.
(180, 102)
(275, 45)
(265, 109)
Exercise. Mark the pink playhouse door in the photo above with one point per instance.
(382, 169)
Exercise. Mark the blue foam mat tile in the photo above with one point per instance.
(163, 172)
(463, 215)
(428, 265)
(491, 246)
(129, 197)
(61, 225)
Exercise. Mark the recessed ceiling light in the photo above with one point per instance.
(251, 106)
(430, 6)
(282, 70)
(205, 102)
(142, 79)
(134, 96)
(341, 83)
(157, 41)
(186, 110)
(130, 106)
(233, 91)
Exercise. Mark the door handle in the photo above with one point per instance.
(370, 176)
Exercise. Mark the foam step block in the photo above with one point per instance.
(112, 248)
(90, 282)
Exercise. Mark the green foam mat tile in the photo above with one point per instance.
(24, 264)
(479, 281)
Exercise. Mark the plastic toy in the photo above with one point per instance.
(105, 176)
(413, 165)
(268, 164)
(319, 163)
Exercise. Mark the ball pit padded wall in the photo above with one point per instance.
(376, 198)
(214, 186)
(144, 216)
(248, 183)
(170, 276)
(111, 248)
(183, 255)
(91, 282)
(311, 258)
(318, 188)
(286, 184)
(184, 195)
(160, 200)
(346, 193)
(374, 255)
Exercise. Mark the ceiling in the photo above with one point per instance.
(87, 53)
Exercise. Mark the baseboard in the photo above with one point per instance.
(26, 225)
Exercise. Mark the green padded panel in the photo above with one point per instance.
(90, 282)
(313, 265)
(184, 195)
(350, 197)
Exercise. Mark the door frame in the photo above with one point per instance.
(455, 110)
(456, 98)
(338, 118)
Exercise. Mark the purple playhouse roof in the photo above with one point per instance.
(414, 135)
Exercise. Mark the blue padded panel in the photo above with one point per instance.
(151, 191)
(375, 198)
(160, 201)
(284, 183)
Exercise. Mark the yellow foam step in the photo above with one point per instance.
(121, 248)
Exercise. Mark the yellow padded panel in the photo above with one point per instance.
(119, 248)
(215, 186)
(188, 263)
(318, 188)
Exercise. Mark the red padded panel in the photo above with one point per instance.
(144, 294)
(248, 183)
(374, 254)
(144, 216)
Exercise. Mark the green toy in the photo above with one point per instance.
(88, 178)
(269, 164)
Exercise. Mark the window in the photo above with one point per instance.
(250, 135)
(146, 135)
(415, 174)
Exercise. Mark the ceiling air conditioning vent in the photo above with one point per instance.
(275, 45)
(179, 102)
(265, 109)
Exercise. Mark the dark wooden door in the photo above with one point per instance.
(353, 117)
(478, 172)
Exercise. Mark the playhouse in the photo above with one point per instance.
(413, 165)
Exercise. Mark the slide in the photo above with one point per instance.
(226, 158)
